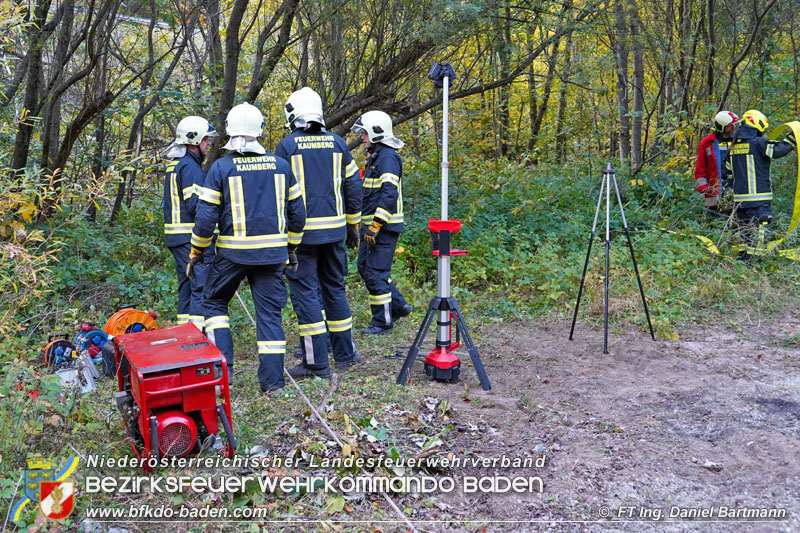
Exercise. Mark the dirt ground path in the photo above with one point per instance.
(651, 426)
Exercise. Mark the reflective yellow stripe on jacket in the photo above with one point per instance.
(752, 188)
(237, 206)
(325, 222)
(249, 242)
(300, 175)
(176, 229)
(337, 183)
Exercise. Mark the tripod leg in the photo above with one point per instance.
(413, 351)
(605, 311)
(580, 289)
(607, 179)
(639, 281)
(473, 351)
(633, 258)
(588, 254)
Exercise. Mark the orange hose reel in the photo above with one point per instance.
(130, 321)
(58, 351)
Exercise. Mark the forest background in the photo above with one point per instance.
(547, 93)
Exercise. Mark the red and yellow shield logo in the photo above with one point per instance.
(57, 499)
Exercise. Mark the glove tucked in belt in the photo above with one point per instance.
(293, 263)
(371, 232)
(195, 256)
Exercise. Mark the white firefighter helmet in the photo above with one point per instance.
(244, 120)
(723, 119)
(378, 126)
(192, 130)
(304, 104)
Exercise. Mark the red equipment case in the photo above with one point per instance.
(170, 382)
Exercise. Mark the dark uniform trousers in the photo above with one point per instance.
(754, 223)
(183, 176)
(191, 306)
(375, 267)
(327, 263)
(269, 297)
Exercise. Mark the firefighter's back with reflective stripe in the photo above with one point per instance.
(749, 161)
(256, 202)
(181, 179)
(328, 181)
(383, 189)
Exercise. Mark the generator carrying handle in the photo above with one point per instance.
(154, 437)
(52, 336)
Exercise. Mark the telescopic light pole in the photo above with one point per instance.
(443, 262)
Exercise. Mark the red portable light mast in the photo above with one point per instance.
(441, 363)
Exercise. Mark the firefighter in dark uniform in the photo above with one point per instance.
(749, 162)
(255, 200)
(183, 176)
(331, 190)
(381, 220)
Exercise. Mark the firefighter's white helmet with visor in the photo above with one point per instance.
(244, 120)
(303, 107)
(378, 126)
(190, 132)
(723, 119)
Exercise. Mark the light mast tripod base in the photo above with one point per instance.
(440, 363)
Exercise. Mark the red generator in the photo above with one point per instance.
(173, 392)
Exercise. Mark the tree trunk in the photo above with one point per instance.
(665, 122)
(51, 119)
(503, 43)
(691, 61)
(546, 91)
(561, 137)
(711, 52)
(415, 131)
(22, 141)
(216, 67)
(99, 161)
(623, 112)
(637, 157)
(303, 70)
(35, 35)
(85, 117)
(132, 174)
(138, 121)
(754, 32)
(533, 102)
(230, 72)
(263, 67)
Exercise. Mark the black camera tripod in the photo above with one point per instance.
(609, 174)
